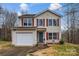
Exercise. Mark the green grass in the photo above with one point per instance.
(66, 49)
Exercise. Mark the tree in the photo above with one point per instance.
(71, 20)
(72, 13)
(8, 20)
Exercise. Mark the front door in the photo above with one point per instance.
(40, 37)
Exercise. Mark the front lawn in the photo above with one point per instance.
(59, 50)
(53, 50)
(5, 44)
(66, 49)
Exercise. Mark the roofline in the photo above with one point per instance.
(39, 13)
(26, 14)
(49, 11)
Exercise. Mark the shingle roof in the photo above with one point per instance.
(27, 15)
(53, 12)
(35, 15)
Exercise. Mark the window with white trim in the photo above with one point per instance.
(54, 35)
(50, 22)
(40, 22)
(54, 22)
(50, 36)
(27, 22)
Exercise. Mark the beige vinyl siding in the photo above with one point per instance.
(48, 15)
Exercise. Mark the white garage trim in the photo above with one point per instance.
(23, 36)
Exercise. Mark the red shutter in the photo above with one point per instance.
(22, 21)
(57, 22)
(47, 35)
(37, 22)
(33, 22)
(43, 22)
(46, 22)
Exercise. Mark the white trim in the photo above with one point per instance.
(39, 22)
(27, 19)
(48, 35)
(14, 37)
(52, 35)
(48, 22)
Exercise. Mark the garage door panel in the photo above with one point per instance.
(24, 38)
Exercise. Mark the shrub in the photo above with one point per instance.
(62, 41)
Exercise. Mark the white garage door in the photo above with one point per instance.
(24, 38)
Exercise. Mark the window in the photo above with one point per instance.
(54, 35)
(50, 35)
(54, 22)
(50, 22)
(40, 22)
(27, 22)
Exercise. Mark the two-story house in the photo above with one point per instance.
(44, 27)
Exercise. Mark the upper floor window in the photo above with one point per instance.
(27, 22)
(40, 22)
(50, 22)
(53, 22)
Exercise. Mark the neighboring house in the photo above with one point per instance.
(44, 27)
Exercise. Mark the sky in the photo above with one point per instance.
(33, 8)
(30, 7)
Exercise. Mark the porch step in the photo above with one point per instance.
(41, 45)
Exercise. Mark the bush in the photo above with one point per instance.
(62, 41)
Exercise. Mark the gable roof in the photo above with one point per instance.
(38, 14)
(48, 11)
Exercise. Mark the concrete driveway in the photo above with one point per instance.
(15, 51)
(7, 49)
